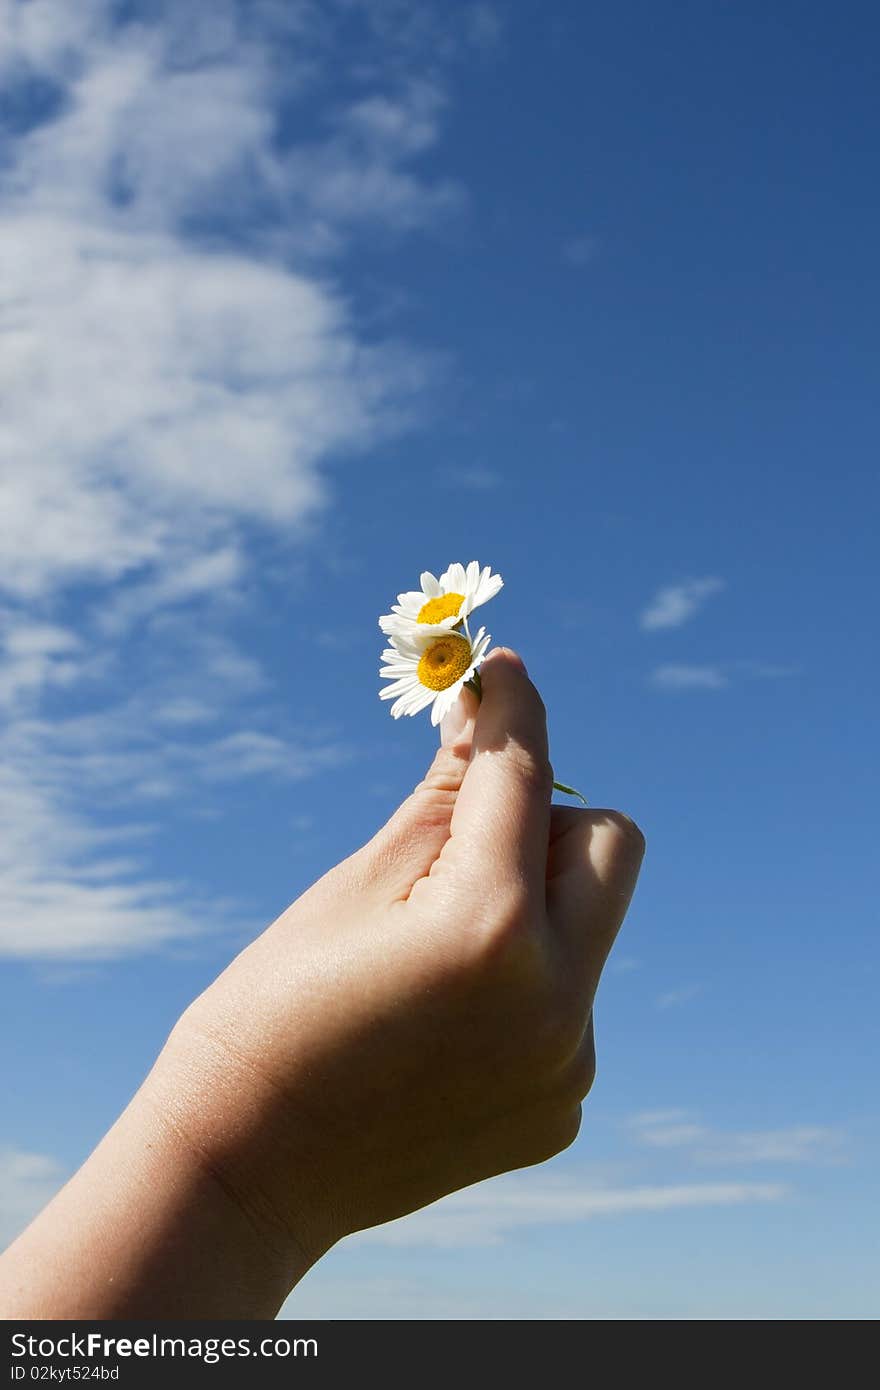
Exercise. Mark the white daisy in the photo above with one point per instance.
(443, 602)
(428, 666)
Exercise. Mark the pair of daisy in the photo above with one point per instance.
(432, 653)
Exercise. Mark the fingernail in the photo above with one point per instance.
(510, 656)
(453, 724)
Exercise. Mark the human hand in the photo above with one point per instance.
(421, 1018)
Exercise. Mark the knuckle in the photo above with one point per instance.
(517, 914)
(426, 808)
(445, 773)
(432, 800)
(512, 952)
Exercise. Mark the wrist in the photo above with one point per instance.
(235, 1127)
(155, 1224)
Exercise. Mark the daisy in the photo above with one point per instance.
(443, 602)
(428, 665)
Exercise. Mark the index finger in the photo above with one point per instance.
(502, 811)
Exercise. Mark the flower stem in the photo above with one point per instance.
(570, 791)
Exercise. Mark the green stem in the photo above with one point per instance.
(570, 791)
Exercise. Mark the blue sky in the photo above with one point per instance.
(301, 299)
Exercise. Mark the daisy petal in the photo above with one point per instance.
(452, 581)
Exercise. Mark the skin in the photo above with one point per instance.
(417, 1021)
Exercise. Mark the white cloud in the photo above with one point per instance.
(324, 1295)
(65, 892)
(27, 1182)
(209, 576)
(484, 25)
(486, 1213)
(681, 676)
(692, 676)
(797, 1144)
(177, 363)
(34, 655)
(474, 479)
(674, 605)
(250, 752)
(133, 436)
(672, 1135)
(677, 1129)
(185, 711)
(439, 1294)
(160, 390)
(355, 176)
(623, 965)
(673, 997)
(649, 1118)
(580, 250)
(766, 670)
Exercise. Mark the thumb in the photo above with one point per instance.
(502, 816)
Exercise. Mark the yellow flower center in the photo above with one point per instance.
(436, 609)
(445, 661)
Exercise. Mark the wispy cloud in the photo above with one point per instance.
(185, 711)
(27, 1182)
(485, 1214)
(134, 437)
(677, 603)
(683, 676)
(475, 479)
(67, 892)
(77, 887)
(765, 670)
(484, 25)
(672, 998)
(211, 576)
(401, 1299)
(178, 358)
(680, 1130)
(580, 250)
(623, 965)
(716, 675)
(798, 1144)
(35, 655)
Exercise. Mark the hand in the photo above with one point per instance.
(421, 1018)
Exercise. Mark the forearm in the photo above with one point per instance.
(154, 1224)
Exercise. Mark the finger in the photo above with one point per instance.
(502, 813)
(408, 844)
(592, 868)
(462, 715)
